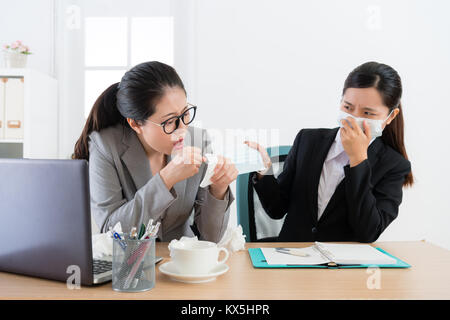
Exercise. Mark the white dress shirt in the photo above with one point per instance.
(332, 173)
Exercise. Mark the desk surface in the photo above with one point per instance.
(428, 278)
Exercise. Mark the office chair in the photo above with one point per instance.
(256, 223)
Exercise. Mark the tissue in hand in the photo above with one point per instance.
(211, 161)
(244, 158)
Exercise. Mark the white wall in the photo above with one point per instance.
(281, 64)
(32, 23)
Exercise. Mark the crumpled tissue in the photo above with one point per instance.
(180, 243)
(233, 239)
(102, 243)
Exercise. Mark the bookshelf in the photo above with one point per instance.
(28, 114)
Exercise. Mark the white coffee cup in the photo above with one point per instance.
(196, 257)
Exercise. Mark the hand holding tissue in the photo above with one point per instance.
(244, 158)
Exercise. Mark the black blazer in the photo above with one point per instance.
(364, 203)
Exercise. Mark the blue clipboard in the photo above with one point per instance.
(259, 261)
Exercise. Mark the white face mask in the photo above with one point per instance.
(376, 126)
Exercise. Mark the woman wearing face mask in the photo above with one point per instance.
(145, 162)
(344, 184)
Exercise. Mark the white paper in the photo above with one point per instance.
(313, 258)
(341, 254)
(355, 254)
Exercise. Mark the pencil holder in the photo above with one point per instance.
(133, 264)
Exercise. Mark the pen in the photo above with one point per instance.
(148, 231)
(149, 225)
(141, 231)
(133, 233)
(146, 235)
(292, 252)
(151, 233)
(121, 243)
(155, 229)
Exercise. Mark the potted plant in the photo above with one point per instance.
(16, 54)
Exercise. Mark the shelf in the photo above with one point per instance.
(38, 99)
(13, 72)
(19, 72)
(11, 140)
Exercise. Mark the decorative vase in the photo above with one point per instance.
(15, 60)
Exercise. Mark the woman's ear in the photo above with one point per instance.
(392, 116)
(133, 124)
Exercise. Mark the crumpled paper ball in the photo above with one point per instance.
(233, 239)
(181, 242)
(102, 243)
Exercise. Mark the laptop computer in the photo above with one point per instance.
(45, 226)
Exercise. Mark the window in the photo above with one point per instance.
(114, 45)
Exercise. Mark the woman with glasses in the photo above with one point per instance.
(145, 162)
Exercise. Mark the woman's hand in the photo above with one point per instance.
(355, 141)
(264, 155)
(184, 165)
(225, 173)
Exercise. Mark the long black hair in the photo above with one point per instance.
(388, 83)
(134, 97)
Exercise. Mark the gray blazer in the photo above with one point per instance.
(123, 189)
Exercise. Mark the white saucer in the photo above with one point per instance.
(169, 270)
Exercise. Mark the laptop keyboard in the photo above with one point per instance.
(101, 266)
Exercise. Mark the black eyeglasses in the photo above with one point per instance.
(172, 124)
